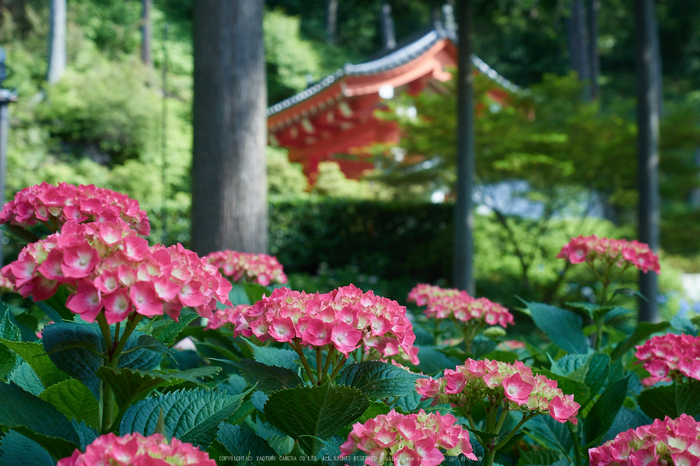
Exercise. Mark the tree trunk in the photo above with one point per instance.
(578, 43)
(593, 56)
(388, 35)
(464, 215)
(229, 185)
(331, 20)
(57, 41)
(648, 89)
(694, 198)
(146, 33)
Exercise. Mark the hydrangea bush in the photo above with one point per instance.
(127, 372)
(671, 441)
(670, 357)
(469, 315)
(136, 449)
(255, 268)
(506, 388)
(409, 439)
(53, 206)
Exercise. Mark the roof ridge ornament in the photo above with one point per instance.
(449, 23)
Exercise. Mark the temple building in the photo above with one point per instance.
(337, 114)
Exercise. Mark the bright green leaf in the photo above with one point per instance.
(550, 433)
(268, 378)
(73, 399)
(276, 357)
(379, 379)
(561, 326)
(192, 416)
(35, 355)
(26, 378)
(315, 411)
(167, 330)
(603, 413)
(132, 385)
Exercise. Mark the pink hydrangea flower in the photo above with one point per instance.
(345, 318)
(468, 384)
(414, 439)
(229, 315)
(449, 303)
(671, 441)
(108, 268)
(256, 268)
(135, 449)
(619, 252)
(670, 357)
(423, 293)
(6, 285)
(56, 205)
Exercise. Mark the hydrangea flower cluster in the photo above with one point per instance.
(670, 357)
(345, 318)
(229, 315)
(107, 266)
(56, 205)
(409, 439)
(452, 303)
(671, 441)
(611, 251)
(514, 384)
(135, 449)
(256, 268)
(423, 293)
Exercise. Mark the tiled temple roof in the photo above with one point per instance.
(391, 60)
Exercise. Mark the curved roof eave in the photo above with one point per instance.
(388, 62)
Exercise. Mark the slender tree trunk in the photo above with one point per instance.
(388, 27)
(57, 41)
(593, 56)
(146, 33)
(464, 215)
(648, 100)
(331, 20)
(694, 198)
(578, 43)
(6, 96)
(658, 66)
(229, 190)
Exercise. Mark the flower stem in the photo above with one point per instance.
(603, 302)
(113, 351)
(577, 443)
(319, 367)
(106, 334)
(502, 419)
(304, 362)
(338, 365)
(329, 358)
(490, 457)
(506, 439)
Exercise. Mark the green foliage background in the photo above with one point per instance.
(103, 124)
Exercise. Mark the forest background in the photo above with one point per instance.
(116, 122)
